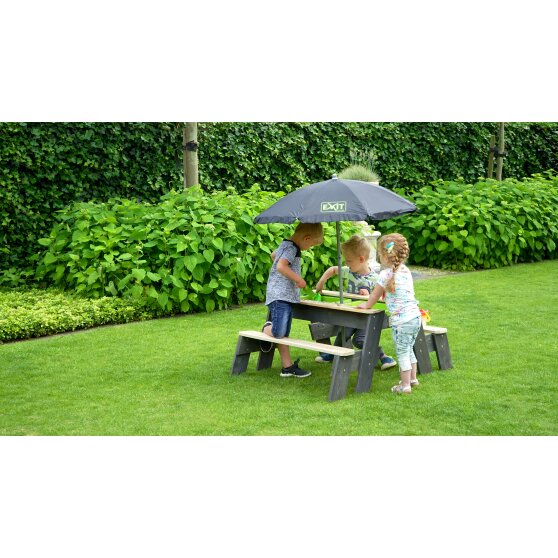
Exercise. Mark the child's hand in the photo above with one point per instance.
(363, 292)
(300, 283)
(362, 306)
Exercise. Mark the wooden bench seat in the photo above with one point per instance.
(437, 341)
(345, 359)
(300, 343)
(434, 329)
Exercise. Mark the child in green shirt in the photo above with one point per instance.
(361, 280)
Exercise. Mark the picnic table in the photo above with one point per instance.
(326, 318)
(346, 359)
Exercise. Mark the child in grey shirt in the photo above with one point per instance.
(283, 289)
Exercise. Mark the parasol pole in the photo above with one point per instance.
(340, 273)
(339, 267)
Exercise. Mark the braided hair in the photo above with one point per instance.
(394, 249)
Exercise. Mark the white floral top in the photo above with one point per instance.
(402, 304)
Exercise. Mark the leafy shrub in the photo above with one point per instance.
(193, 252)
(35, 312)
(488, 224)
(14, 277)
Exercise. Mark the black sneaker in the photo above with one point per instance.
(295, 371)
(266, 346)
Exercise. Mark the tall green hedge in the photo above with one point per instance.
(409, 155)
(46, 166)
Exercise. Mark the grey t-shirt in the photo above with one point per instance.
(278, 286)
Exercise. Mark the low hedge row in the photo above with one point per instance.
(25, 314)
(487, 224)
(194, 251)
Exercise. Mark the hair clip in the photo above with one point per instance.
(389, 247)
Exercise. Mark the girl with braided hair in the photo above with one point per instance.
(396, 283)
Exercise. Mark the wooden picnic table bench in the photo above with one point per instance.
(326, 320)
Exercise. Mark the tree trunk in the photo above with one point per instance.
(500, 162)
(190, 154)
(490, 172)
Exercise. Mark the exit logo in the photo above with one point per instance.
(334, 207)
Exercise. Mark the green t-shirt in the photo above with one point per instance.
(356, 281)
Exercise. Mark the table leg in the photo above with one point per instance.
(421, 352)
(443, 354)
(370, 352)
(244, 347)
(339, 377)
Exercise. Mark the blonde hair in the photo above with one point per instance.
(315, 230)
(396, 255)
(357, 245)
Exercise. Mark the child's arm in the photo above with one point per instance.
(375, 295)
(330, 272)
(284, 268)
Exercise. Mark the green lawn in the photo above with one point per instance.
(172, 376)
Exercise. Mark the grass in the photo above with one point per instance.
(172, 376)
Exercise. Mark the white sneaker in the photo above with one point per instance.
(387, 362)
(321, 359)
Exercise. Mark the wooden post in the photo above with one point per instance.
(500, 162)
(190, 159)
(490, 172)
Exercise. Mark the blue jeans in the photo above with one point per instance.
(281, 317)
(404, 337)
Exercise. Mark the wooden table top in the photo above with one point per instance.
(339, 306)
